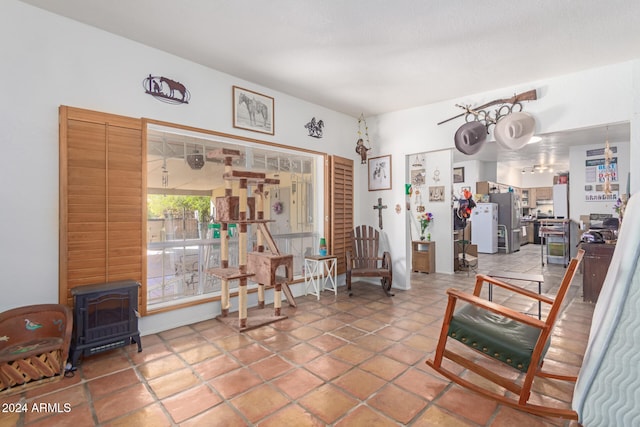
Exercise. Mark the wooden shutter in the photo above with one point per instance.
(102, 191)
(341, 208)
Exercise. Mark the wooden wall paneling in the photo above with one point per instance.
(101, 200)
(124, 200)
(341, 208)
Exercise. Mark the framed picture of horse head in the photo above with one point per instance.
(253, 111)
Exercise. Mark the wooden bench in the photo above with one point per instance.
(34, 343)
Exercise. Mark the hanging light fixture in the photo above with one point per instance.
(165, 174)
(195, 160)
(361, 148)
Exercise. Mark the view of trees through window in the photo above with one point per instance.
(195, 210)
(183, 237)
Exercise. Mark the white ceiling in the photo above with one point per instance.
(376, 56)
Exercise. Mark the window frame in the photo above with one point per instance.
(321, 210)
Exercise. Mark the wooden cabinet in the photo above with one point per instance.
(423, 257)
(531, 229)
(524, 197)
(488, 187)
(482, 187)
(532, 197)
(470, 259)
(544, 194)
(597, 257)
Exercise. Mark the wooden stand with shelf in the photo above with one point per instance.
(423, 258)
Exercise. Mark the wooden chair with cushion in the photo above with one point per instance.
(501, 336)
(363, 259)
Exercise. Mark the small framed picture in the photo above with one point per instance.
(436, 193)
(418, 177)
(380, 173)
(253, 111)
(458, 175)
(463, 189)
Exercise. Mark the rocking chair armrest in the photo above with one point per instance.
(455, 294)
(482, 278)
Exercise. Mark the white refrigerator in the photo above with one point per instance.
(561, 201)
(484, 227)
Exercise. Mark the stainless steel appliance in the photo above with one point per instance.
(508, 220)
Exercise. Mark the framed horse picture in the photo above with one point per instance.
(253, 111)
(380, 173)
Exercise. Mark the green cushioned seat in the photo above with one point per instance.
(500, 337)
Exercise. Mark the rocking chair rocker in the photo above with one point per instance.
(502, 335)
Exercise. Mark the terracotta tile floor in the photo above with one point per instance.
(339, 361)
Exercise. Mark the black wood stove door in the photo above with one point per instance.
(105, 317)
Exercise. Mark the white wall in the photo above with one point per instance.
(593, 97)
(509, 176)
(634, 146)
(48, 61)
(472, 174)
(577, 180)
(538, 179)
(440, 229)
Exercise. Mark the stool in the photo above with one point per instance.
(320, 270)
(503, 228)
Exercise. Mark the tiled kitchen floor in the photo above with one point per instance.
(339, 361)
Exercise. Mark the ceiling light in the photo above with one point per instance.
(522, 170)
(534, 139)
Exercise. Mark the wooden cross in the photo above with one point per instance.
(380, 206)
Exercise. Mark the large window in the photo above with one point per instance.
(182, 185)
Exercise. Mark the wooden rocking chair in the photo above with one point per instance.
(502, 334)
(363, 259)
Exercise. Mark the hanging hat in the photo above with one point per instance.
(515, 130)
(470, 137)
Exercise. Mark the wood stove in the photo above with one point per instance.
(105, 317)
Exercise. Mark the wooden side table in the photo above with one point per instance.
(423, 256)
(597, 257)
(320, 271)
